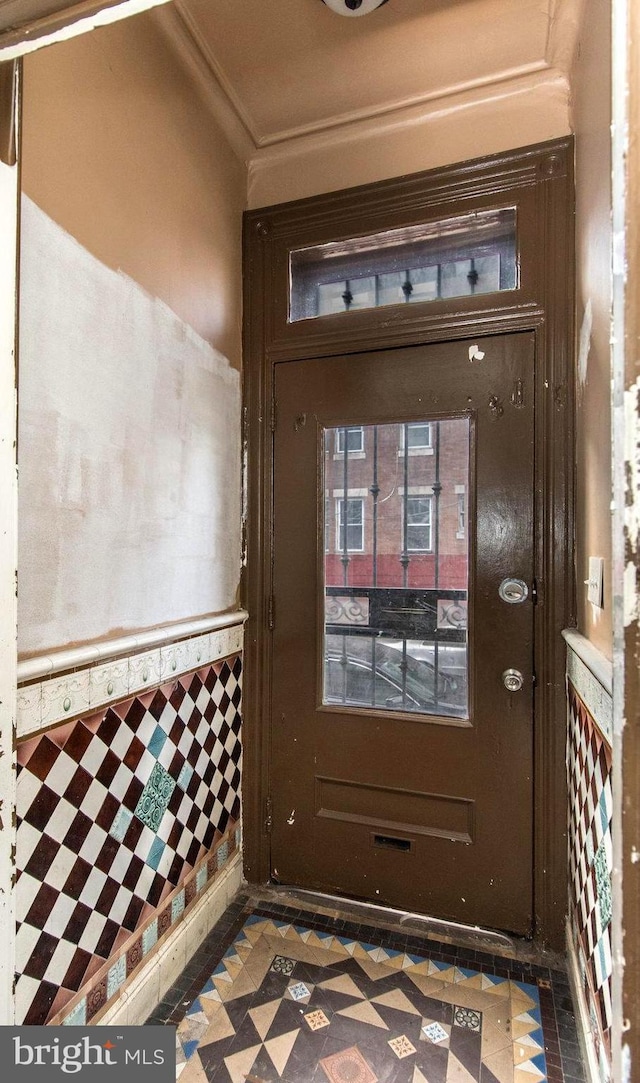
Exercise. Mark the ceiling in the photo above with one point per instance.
(294, 67)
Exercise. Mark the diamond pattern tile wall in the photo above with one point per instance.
(114, 811)
(590, 864)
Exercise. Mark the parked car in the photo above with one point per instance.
(375, 672)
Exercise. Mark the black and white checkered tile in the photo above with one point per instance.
(114, 811)
(591, 857)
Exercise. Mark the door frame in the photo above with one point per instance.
(538, 181)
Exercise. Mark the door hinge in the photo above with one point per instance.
(271, 612)
(268, 818)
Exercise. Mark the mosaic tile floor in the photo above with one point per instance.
(279, 995)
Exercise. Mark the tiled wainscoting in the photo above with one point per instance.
(126, 818)
(590, 855)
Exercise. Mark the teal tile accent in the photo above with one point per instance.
(78, 1017)
(201, 878)
(238, 836)
(116, 976)
(155, 853)
(120, 824)
(177, 906)
(603, 885)
(157, 741)
(150, 937)
(222, 855)
(185, 776)
(155, 797)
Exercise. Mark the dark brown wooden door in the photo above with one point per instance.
(401, 746)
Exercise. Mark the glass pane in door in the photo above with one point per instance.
(396, 566)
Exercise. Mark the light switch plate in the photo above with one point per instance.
(594, 582)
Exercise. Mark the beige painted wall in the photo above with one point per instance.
(119, 149)
(468, 125)
(592, 117)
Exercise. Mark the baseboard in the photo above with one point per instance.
(583, 1021)
(147, 988)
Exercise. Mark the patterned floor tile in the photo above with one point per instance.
(360, 1019)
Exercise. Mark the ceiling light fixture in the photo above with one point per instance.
(353, 7)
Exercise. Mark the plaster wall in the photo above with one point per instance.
(592, 118)
(119, 150)
(130, 311)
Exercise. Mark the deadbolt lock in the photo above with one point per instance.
(513, 591)
(513, 680)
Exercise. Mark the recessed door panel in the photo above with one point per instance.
(401, 754)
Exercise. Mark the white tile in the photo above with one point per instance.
(173, 660)
(109, 682)
(64, 697)
(60, 962)
(59, 915)
(29, 708)
(26, 940)
(61, 773)
(26, 890)
(27, 838)
(198, 651)
(27, 789)
(121, 780)
(93, 844)
(92, 932)
(26, 989)
(145, 881)
(93, 756)
(92, 888)
(94, 799)
(144, 670)
(58, 874)
(119, 865)
(219, 644)
(236, 638)
(61, 821)
(120, 904)
(121, 741)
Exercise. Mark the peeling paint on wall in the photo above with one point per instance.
(632, 501)
(130, 474)
(585, 344)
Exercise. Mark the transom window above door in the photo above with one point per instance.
(454, 257)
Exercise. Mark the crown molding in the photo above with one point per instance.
(178, 20)
(394, 113)
(258, 150)
(565, 20)
(413, 115)
(191, 50)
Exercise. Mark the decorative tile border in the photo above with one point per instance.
(111, 980)
(595, 697)
(61, 698)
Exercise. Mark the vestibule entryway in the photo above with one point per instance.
(409, 542)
